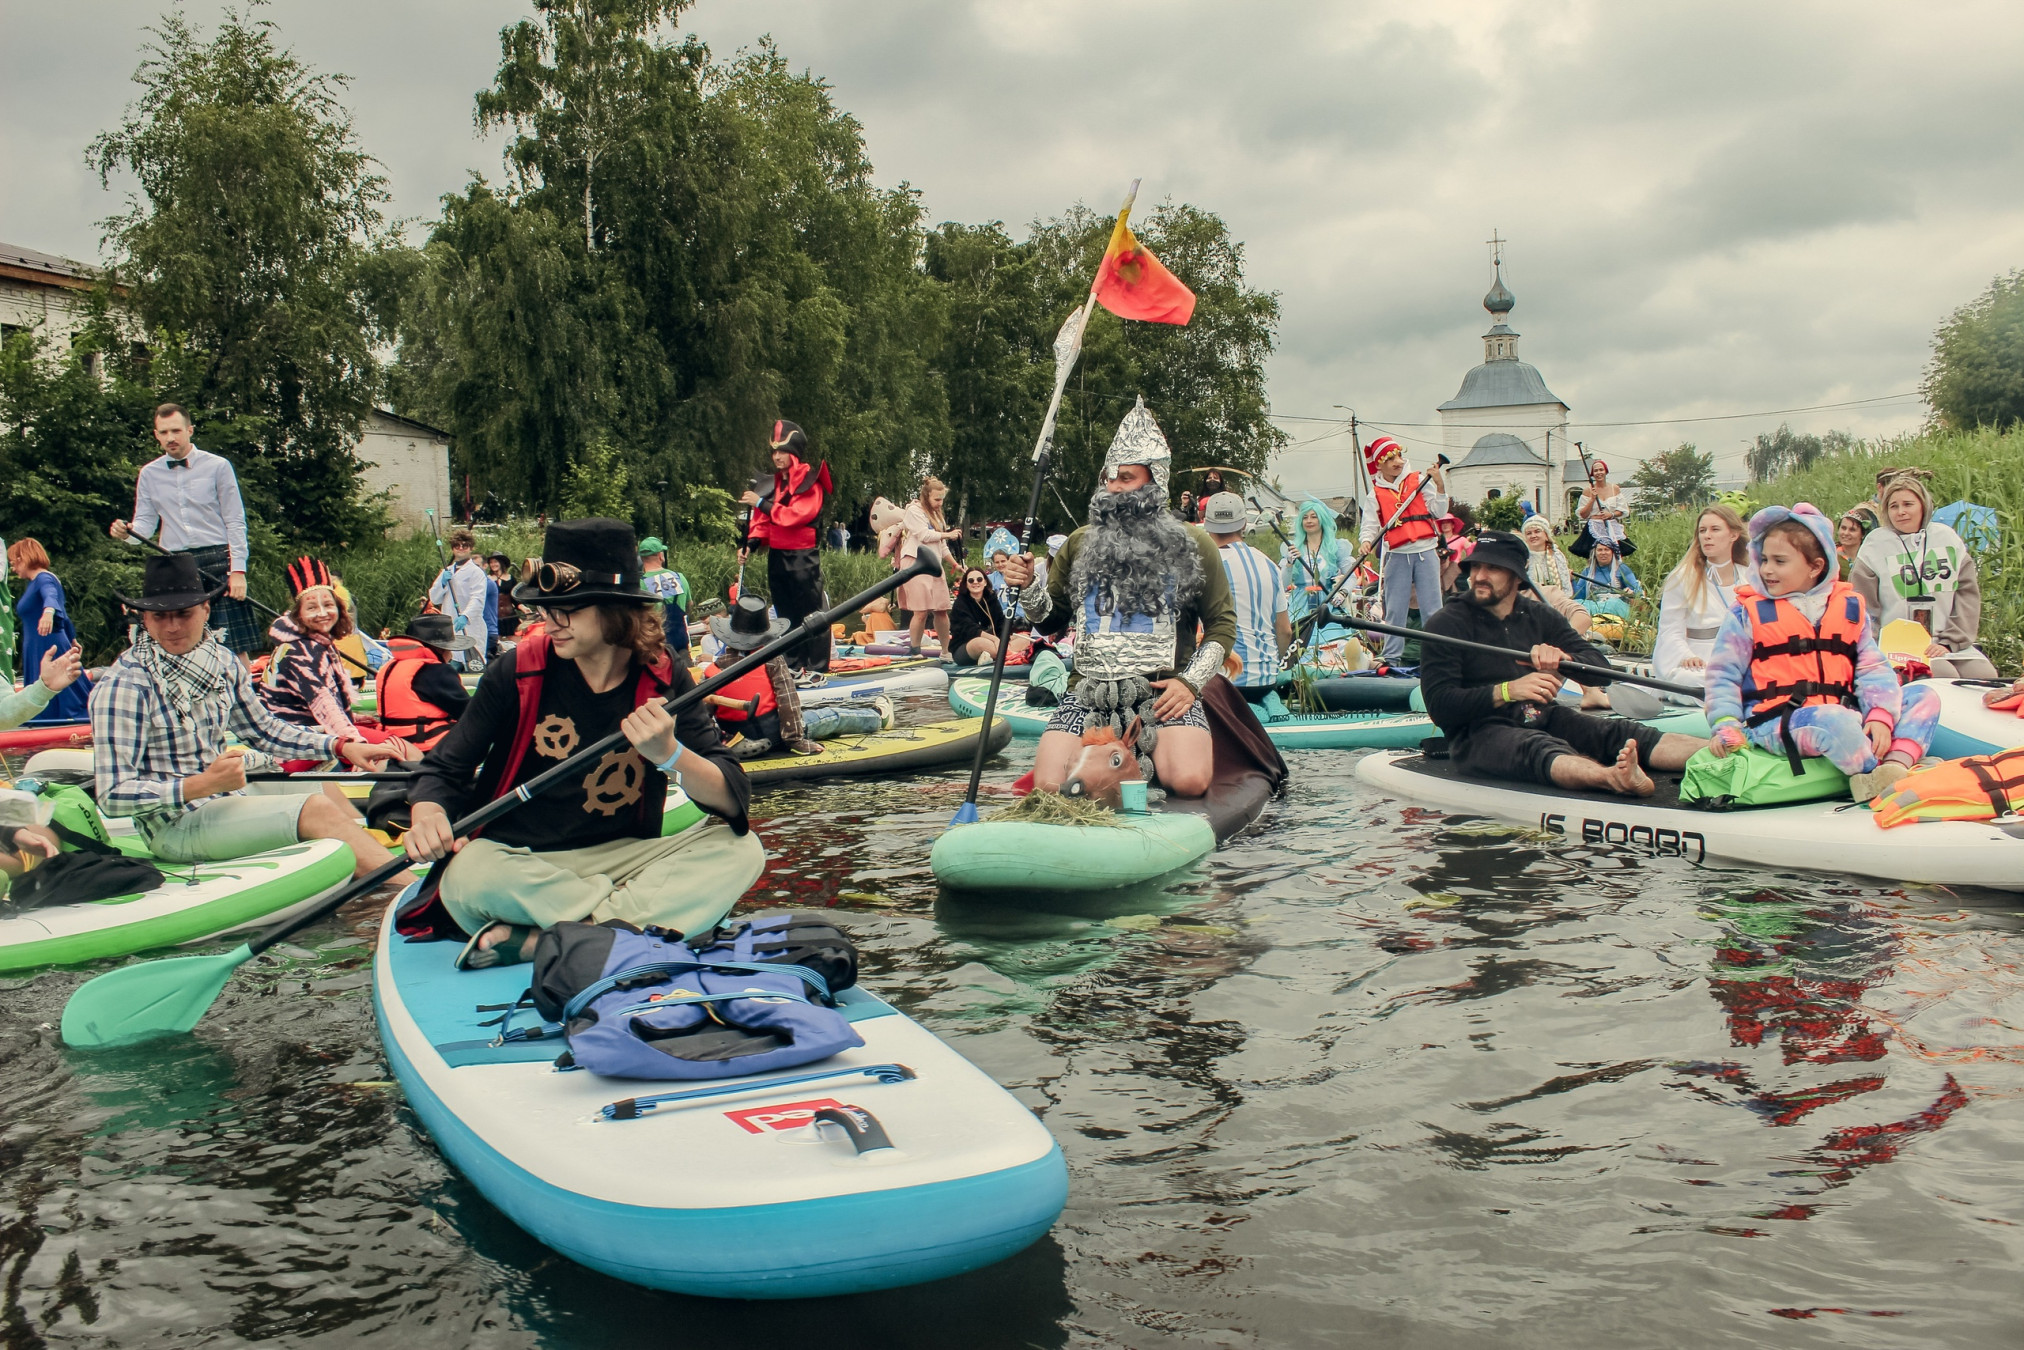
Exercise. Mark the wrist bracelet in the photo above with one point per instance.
(668, 765)
(1504, 692)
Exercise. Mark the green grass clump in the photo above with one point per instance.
(1051, 808)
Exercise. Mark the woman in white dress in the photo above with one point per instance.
(1602, 509)
(1914, 567)
(1699, 594)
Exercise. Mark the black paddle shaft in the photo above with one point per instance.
(929, 561)
(1005, 630)
(1566, 667)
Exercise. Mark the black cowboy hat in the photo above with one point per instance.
(746, 628)
(1499, 548)
(434, 630)
(586, 562)
(171, 583)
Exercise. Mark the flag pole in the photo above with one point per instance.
(1067, 347)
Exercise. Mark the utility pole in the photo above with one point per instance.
(662, 486)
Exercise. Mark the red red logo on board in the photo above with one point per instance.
(780, 1115)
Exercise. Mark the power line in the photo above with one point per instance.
(1647, 422)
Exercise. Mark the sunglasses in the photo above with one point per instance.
(555, 578)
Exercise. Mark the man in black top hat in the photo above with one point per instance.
(1502, 718)
(163, 723)
(784, 520)
(592, 847)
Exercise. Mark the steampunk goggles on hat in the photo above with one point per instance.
(560, 578)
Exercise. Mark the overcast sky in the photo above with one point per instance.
(1711, 209)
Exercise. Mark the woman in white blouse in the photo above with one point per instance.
(1602, 511)
(1699, 594)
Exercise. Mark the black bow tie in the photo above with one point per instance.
(182, 463)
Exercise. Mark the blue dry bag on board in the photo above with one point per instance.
(747, 997)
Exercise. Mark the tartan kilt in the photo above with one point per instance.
(236, 619)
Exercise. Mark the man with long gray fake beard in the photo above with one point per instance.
(1135, 585)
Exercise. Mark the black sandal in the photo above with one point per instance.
(506, 952)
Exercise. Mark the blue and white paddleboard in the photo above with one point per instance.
(730, 1187)
(1968, 726)
(863, 686)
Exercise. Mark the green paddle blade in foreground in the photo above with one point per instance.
(147, 999)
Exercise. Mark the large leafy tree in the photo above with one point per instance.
(1205, 382)
(254, 242)
(1976, 378)
(1681, 477)
(686, 251)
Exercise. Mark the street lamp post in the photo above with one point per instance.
(663, 488)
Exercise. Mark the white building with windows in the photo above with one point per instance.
(1505, 431)
(402, 458)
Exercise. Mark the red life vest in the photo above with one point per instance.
(1417, 522)
(401, 710)
(1796, 664)
(752, 684)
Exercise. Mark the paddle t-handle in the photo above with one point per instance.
(1610, 673)
(149, 999)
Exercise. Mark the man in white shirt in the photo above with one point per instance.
(459, 591)
(1407, 506)
(1264, 629)
(193, 496)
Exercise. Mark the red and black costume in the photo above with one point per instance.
(784, 523)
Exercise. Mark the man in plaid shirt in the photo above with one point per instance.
(160, 721)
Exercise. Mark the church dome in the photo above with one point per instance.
(1499, 301)
(1501, 384)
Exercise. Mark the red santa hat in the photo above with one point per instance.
(1379, 447)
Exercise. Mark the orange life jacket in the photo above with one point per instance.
(1980, 787)
(752, 684)
(1417, 522)
(401, 710)
(1796, 664)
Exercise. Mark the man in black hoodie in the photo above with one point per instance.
(1501, 717)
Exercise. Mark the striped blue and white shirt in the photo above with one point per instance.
(1259, 598)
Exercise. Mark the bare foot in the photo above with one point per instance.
(1626, 777)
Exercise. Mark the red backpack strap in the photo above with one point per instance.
(530, 664)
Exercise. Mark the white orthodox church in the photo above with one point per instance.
(1505, 431)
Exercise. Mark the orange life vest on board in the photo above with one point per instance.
(401, 710)
(1795, 664)
(1980, 787)
(1417, 522)
(752, 684)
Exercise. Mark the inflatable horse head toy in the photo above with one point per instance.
(1105, 761)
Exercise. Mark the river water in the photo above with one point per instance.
(1369, 1077)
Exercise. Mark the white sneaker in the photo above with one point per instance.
(811, 679)
(884, 704)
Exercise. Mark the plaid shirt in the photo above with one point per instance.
(141, 752)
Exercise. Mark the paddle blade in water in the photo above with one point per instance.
(148, 999)
(966, 814)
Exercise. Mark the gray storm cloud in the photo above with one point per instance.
(1711, 209)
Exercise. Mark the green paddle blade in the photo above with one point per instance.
(148, 999)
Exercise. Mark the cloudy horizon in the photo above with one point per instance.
(1725, 211)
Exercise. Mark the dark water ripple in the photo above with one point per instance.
(1370, 1077)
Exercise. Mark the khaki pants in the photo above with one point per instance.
(688, 882)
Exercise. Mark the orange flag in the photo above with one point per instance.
(1132, 284)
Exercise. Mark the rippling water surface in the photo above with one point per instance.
(1369, 1077)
